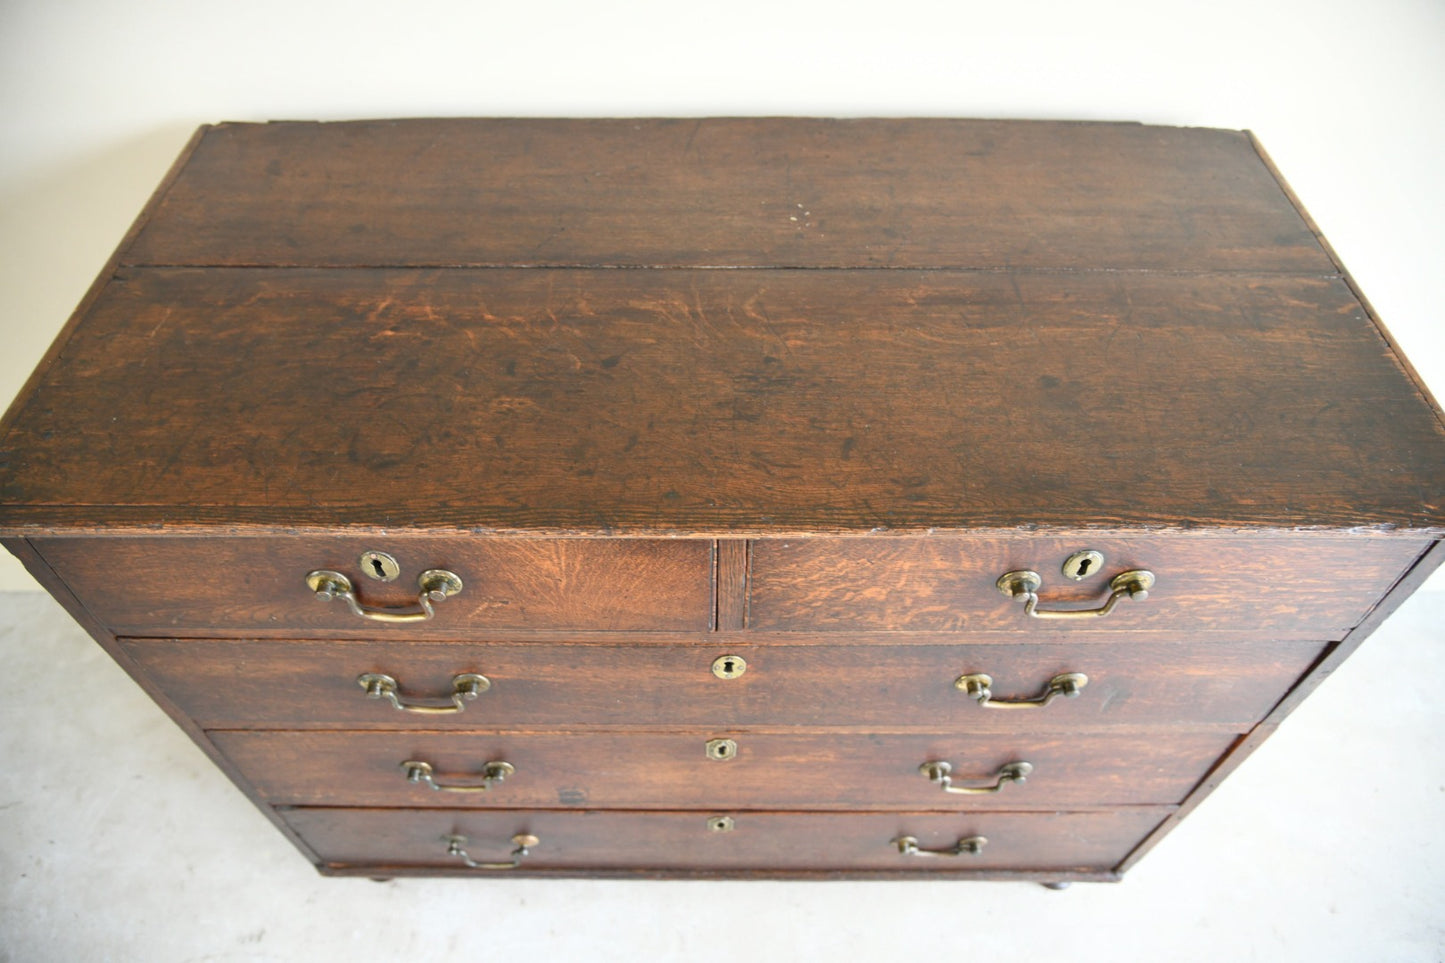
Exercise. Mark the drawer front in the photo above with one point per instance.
(679, 841)
(1302, 587)
(645, 770)
(228, 684)
(230, 586)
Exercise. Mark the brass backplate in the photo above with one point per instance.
(1020, 584)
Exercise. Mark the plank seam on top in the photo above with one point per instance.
(524, 266)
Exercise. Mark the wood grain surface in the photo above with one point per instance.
(772, 770)
(754, 192)
(1305, 587)
(724, 403)
(193, 586)
(1034, 841)
(311, 684)
(632, 380)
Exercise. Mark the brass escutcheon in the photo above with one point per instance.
(1081, 565)
(721, 749)
(380, 566)
(721, 824)
(729, 666)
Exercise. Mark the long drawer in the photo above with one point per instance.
(377, 840)
(722, 768)
(226, 684)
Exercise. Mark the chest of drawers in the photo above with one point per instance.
(764, 498)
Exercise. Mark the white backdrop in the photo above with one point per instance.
(96, 98)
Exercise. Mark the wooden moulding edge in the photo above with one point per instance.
(243, 521)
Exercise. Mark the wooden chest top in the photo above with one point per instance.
(714, 327)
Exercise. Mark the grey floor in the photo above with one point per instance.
(119, 841)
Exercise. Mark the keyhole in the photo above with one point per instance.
(380, 566)
(1081, 565)
(729, 666)
(721, 749)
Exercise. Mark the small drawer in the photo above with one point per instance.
(722, 768)
(1298, 586)
(230, 684)
(251, 586)
(441, 840)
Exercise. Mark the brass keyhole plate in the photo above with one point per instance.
(721, 824)
(1081, 565)
(729, 666)
(380, 566)
(721, 749)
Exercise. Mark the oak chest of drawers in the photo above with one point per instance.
(728, 497)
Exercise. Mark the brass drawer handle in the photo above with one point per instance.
(940, 772)
(465, 687)
(1024, 586)
(979, 688)
(492, 773)
(433, 585)
(456, 846)
(966, 846)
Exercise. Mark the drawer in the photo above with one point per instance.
(677, 770)
(682, 841)
(230, 586)
(231, 684)
(1301, 586)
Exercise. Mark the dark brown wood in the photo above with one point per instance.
(508, 349)
(308, 684)
(381, 839)
(755, 192)
(732, 584)
(1302, 586)
(723, 403)
(1049, 879)
(1086, 769)
(153, 586)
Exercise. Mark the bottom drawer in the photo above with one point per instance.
(385, 841)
